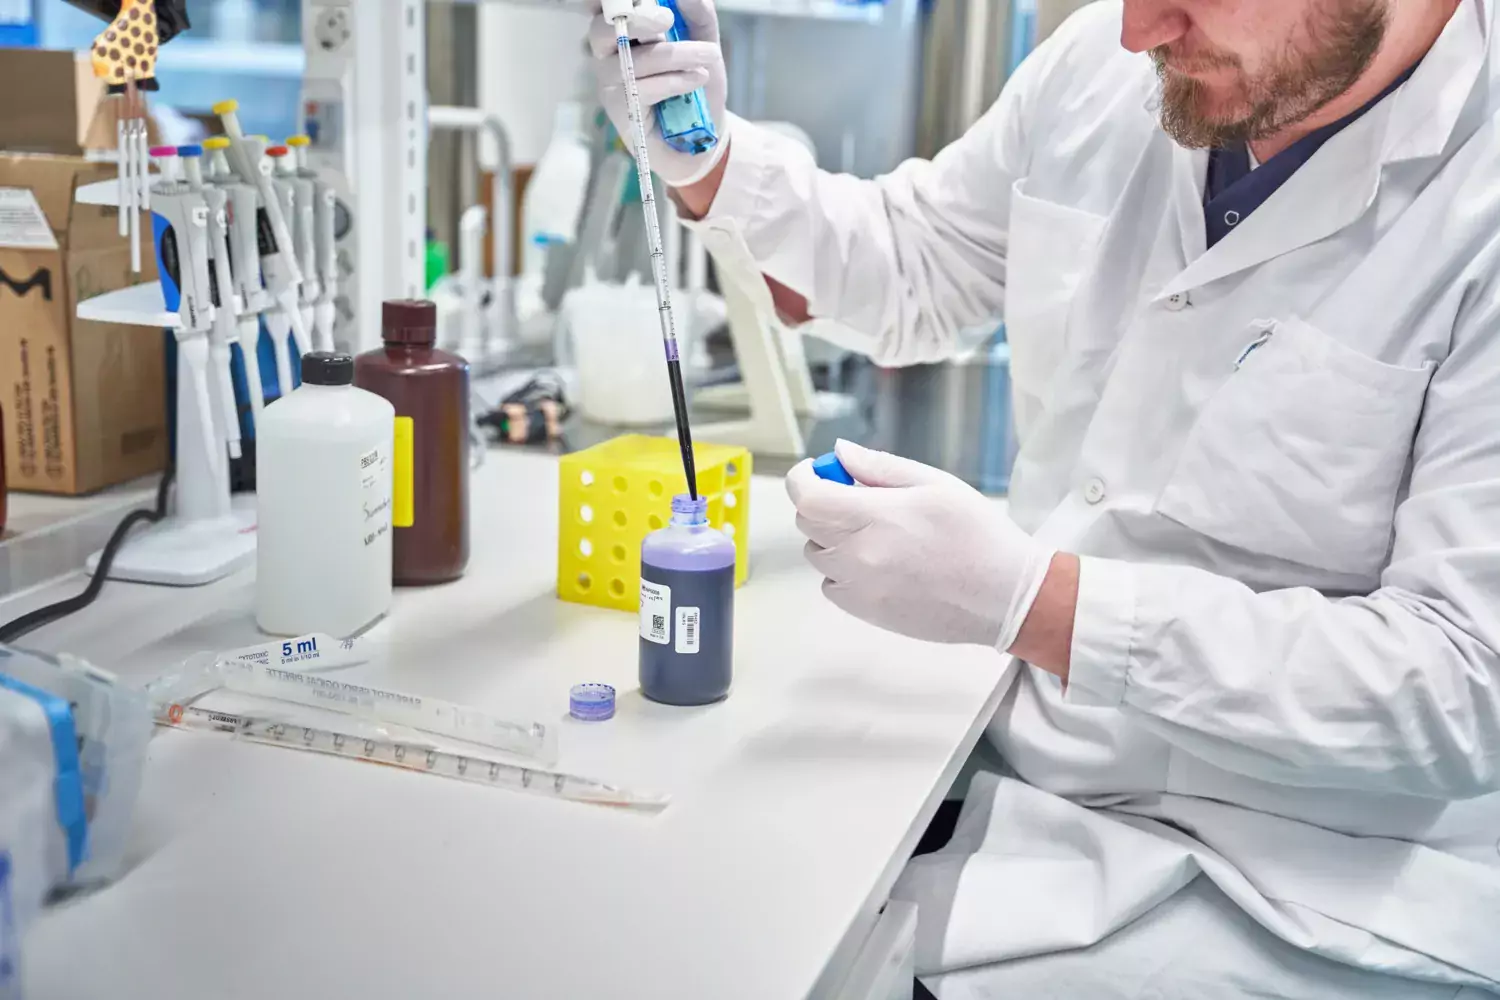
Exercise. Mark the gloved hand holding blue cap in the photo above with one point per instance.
(830, 468)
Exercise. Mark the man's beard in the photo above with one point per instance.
(1343, 43)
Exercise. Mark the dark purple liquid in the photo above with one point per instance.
(690, 678)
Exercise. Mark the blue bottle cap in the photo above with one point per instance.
(830, 468)
(592, 702)
(189, 151)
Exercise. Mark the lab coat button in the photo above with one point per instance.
(1094, 491)
(1178, 302)
(1231, 218)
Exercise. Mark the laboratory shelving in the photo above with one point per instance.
(815, 10)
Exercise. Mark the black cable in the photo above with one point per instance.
(33, 620)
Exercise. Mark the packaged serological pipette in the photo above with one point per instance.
(298, 671)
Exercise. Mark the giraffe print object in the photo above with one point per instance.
(125, 52)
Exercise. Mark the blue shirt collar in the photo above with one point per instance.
(1233, 190)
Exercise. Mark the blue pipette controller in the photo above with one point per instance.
(685, 122)
(830, 468)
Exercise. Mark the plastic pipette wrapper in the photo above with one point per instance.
(295, 671)
(200, 673)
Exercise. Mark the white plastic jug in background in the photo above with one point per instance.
(616, 346)
(323, 480)
(555, 194)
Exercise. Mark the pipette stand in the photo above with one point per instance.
(206, 536)
(776, 384)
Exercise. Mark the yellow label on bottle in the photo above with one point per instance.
(403, 500)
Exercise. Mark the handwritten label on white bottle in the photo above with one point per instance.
(375, 493)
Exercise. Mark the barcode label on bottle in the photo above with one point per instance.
(656, 610)
(687, 630)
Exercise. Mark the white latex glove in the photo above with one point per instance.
(917, 551)
(662, 70)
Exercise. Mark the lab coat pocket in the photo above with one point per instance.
(1300, 453)
(1051, 247)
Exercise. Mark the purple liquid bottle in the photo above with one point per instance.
(687, 609)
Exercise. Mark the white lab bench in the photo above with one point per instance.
(263, 872)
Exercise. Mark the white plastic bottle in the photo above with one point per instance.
(554, 197)
(324, 475)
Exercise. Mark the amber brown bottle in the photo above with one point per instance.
(430, 390)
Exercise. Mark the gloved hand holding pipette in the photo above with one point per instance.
(665, 70)
(919, 551)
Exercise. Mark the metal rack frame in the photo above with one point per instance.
(365, 106)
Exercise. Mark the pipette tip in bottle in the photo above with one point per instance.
(592, 702)
(830, 468)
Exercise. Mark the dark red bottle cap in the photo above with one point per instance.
(409, 321)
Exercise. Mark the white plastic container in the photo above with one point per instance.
(615, 341)
(555, 194)
(324, 476)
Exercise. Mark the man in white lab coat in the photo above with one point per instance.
(1248, 257)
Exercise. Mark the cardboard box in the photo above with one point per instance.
(64, 110)
(85, 403)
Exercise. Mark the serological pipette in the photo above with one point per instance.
(617, 12)
(301, 671)
(391, 751)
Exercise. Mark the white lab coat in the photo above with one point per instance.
(1280, 461)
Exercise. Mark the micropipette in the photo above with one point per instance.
(281, 270)
(409, 755)
(184, 256)
(244, 254)
(284, 317)
(304, 182)
(618, 13)
(224, 331)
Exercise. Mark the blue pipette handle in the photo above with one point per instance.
(685, 122)
(830, 468)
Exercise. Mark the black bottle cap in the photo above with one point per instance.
(320, 368)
